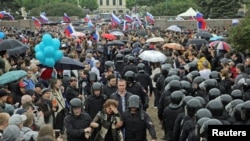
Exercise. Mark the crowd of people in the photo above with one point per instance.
(109, 98)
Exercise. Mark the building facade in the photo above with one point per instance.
(112, 6)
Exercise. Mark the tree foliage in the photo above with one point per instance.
(89, 4)
(58, 9)
(239, 35)
(172, 7)
(219, 9)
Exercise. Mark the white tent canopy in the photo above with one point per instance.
(188, 13)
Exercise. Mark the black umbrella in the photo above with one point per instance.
(115, 43)
(141, 32)
(197, 42)
(66, 63)
(18, 50)
(204, 35)
(10, 44)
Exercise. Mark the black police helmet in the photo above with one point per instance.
(129, 76)
(215, 107)
(134, 101)
(141, 67)
(237, 94)
(75, 102)
(92, 77)
(176, 97)
(203, 112)
(213, 93)
(192, 106)
(119, 57)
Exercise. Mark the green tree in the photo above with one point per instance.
(172, 7)
(239, 35)
(57, 9)
(130, 4)
(219, 9)
(89, 4)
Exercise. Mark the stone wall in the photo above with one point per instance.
(191, 24)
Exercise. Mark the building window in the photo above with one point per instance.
(107, 2)
(101, 2)
(120, 11)
(120, 2)
(114, 2)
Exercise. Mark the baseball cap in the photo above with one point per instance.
(21, 84)
(17, 119)
(3, 93)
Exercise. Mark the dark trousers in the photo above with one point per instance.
(59, 121)
(157, 96)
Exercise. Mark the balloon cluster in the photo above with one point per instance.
(47, 51)
(2, 35)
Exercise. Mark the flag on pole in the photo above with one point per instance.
(128, 18)
(115, 20)
(87, 18)
(66, 18)
(150, 18)
(43, 17)
(201, 22)
(37, 23)
(69, 30)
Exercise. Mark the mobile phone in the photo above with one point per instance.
(57, 133)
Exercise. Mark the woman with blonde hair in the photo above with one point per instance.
(108, 121)
(55, 86)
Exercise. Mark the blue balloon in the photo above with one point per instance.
(49, 51)
(41, 46)
(47, 39)
(40, 56)
(58, 55)
(37, 48)
(2, 35)
(56, 43)
(50, 62)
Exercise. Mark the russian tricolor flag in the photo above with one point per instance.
(2, 14)
(115, 20)
(37, 22)
(201, 22)
(128, 18)
(150, 18)
(66, 18)
(43, 17)
(9, 15)
(69, 30)
(87, 18)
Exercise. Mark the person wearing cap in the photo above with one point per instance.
(18, 91)
(45, 105)
(3, 98)
(11, 133)
(38, 91)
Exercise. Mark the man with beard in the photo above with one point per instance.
(111, 86)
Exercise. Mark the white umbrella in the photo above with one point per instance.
(152, 56)
(155, 39)
(174, 28)
(117, 33)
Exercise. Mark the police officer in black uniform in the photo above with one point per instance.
(136, 121)
(119, 63)
(130, 66)
(144, 79)
(91, 78)
(136, 88)
(77, 123)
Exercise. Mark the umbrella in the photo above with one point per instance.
(220, 45)
(174, 28)
(152, 56)
(18, 50)
(66, 63)
(197, 42)
(12, 76)
(204, 35)
(10, 44)
(215, 38)
(117, 33)
(78, 34)
(108, 36)
(174, 46)
(155, 39)
(115, 43)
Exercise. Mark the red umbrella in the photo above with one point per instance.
(108, 36)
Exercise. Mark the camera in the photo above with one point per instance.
(57, 133)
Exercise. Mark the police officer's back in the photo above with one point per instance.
(130, 66)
